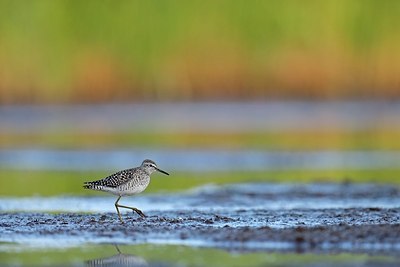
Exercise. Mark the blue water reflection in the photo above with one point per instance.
(201, 117)
(196, 160)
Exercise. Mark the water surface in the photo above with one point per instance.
(202, 117)
(240, 224)
(196, 159)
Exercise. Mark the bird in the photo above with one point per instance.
(126, 183)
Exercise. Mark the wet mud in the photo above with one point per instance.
(208, 221)
(355, 230)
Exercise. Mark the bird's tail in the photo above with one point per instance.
(91, 185)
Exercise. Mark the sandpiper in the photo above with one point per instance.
(126, 183)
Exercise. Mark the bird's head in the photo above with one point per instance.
(150, 167)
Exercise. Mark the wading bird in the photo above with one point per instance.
(126, 183)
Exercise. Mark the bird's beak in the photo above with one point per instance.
(162, 171)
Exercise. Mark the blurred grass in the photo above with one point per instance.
(374, 139)
(98, 51)
(49, 183)
(177, 255)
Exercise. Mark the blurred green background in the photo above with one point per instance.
(100, 52)
(71, 51)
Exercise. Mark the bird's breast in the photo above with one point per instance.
(134, 186)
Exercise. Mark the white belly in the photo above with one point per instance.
(131, 188)
(123, 192)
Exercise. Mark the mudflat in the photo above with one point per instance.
(317, 218)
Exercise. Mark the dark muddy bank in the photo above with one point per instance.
(319, 218)
(341, 230)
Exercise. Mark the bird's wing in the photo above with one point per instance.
(116, 179)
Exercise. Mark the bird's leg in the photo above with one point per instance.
(116, 246)
(116, 206)
(138, 211)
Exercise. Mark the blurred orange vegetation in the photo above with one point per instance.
(231, 50)
(221, 74)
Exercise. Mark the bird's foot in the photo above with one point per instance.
(140, 213)
(120, 219)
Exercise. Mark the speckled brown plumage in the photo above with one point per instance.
(126, 182)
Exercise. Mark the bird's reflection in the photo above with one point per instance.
(119, 259)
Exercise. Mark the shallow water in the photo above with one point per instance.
(232, 225)
(253, 196)
(197, 118)
(172, 255)
(244, 217)
(202, 117)
(196, 159)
